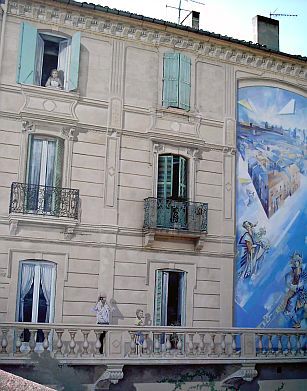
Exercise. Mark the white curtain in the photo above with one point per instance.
(35, 161)
(46, 281)
(27, 277)
(50, 163)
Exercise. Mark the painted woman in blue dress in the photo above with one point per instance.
(254, 247)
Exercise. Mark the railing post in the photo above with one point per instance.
(97, 343)
(85, 345)
(18, 342)
(201, 346)
(46, 342)
(4, 341)
(157, 344)
(248, 344)
(59, 344)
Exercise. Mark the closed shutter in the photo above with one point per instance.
(170, 80)
(184, 82)
(182, 190)
(27, 54)
(59, 157)
(158, 298)
(74, 62)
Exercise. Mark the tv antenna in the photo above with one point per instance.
(179, 9)
(274, 14)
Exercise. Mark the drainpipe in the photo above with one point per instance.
(4, 14)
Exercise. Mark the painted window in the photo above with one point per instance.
(40, 53)
(172, 177)
(44, 172)
(176, 81)
(36, 292)
(170, 294)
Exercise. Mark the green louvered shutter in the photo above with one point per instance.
(165, 176)
(170, 80)
(184, 82)
(158, 298)
(182, 191)
(74, 62)
(57, 182)
(27, 54)
(165, 190)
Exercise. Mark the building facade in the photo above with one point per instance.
(118, 178)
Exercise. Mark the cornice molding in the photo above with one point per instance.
(204, 47)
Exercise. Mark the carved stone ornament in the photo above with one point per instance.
(13, 227)
(112, 375)
(70, 133)
(69, 233)
(195, 153)
(158, 148)
(246, 373)
(28, 126)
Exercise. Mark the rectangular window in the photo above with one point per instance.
(170, 293)
(40, 53)
(176, 81)
(36, 294)
(44, 172)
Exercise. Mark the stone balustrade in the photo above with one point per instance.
(80, 343)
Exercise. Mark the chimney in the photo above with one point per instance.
(195, 20)
(266, 31)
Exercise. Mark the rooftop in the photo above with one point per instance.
(105, 9)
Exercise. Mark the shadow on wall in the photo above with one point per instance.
(83, 70)
(115, 314)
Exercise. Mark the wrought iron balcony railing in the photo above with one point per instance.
(163, 213)
(44, 200)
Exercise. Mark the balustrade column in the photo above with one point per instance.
(145, 344)
(98, 343)
(223, 344)
(279, 345)
(46, 341)
(32, 341)
(233, 345)
(85, 345)
(168, 344)
(157, 344)
(201, 346)
(261, 350)
(72, 343)
(212, 345)
(190, 344)
(59, 344)
(180, 344)
(132, 343)
(4, 341)
(18, 342)
(270, 345)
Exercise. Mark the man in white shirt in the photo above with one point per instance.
(102, 310)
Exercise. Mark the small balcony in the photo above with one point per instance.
(35, 203)
(177, 219)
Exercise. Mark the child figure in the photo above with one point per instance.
(54, 81)
(139, 337)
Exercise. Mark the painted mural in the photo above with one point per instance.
(271, 232)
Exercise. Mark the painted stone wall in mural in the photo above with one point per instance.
(271, 272)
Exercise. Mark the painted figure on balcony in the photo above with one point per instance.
(254, 247)
(139, 336)
(54, 81)
(102, 310)
(294, 304)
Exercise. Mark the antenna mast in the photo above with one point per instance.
(179, 9)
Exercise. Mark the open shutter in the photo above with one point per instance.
(170, 80)
(58, 175)
(164, 298)
(165, 176)
(182, 298)
(182, 191)
(63, 61)
(184, 82)
(74, 62)
(40, 45)
(27, 54)
(158, 298)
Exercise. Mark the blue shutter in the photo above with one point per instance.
(170, 80)
(184, 82)
(182, 191)
(27, 54)
(74, 62)
(158, 298)
(165, 176)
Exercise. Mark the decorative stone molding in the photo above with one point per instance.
(70, 133)
(245, 374)
(28, 126)
(100, 23)
(13, 227)
(112, 375)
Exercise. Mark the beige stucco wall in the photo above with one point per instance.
(116, 128)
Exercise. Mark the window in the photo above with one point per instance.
(40, 52)
(176, 81)
(170, 294)
(44, 172)
(172, 177)
(36, 293)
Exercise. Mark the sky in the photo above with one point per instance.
(229, 17)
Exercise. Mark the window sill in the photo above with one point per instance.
(151, 235)
(68, 224)
(50, 91)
